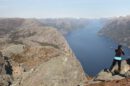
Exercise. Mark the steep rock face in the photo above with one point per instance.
(55, 72)
(5, 72)
(40, 56)
(118, 29)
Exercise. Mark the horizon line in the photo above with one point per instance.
(67, 17)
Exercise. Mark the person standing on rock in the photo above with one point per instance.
(117, 59)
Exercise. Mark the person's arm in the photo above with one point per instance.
(123, 52)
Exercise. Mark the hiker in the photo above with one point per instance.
(117, 59)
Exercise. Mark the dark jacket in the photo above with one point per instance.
(119, 52)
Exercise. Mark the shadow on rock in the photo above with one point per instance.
(128, 61)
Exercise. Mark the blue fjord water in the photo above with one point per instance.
(93, 51)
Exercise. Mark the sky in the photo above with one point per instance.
(64, 8)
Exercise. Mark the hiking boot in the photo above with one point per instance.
(107, 70)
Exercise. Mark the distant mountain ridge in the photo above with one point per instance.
(66, 25)
(118, 29)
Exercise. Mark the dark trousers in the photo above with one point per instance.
(114, 63)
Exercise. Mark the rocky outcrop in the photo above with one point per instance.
(40, 56)
(123, 82)
(105, 77)
(55, 72)
(5, 71)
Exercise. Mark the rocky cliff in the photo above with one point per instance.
(113, 78)
(5, 71)
(35, 55)
(118, 29)
(38, 55)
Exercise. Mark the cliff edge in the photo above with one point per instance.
(39, 56)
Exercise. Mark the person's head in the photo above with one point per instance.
(119, 46)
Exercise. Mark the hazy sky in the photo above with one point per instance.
(64, 8)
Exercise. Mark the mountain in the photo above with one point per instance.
(33, 54)
(66, 25)
(118, 29)
(38, 55)
(7, 25)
